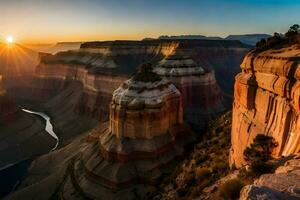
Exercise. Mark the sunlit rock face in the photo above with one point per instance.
(146, 135)
(266, 101)
(201, 94)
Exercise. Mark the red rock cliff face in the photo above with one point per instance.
(266, 101)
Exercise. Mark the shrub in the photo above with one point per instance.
(219, 165)
(261, 149)
(230, 190)
(145, 74)
(260, 167)
(202, 172)
(259, 153)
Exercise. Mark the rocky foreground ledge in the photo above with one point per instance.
(283, 184)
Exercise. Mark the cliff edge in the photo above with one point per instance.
(266, 98)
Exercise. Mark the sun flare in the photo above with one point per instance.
(10, 39)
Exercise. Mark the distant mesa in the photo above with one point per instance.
(188, 37)
(54, 48)
(184, 37)
(250, 39)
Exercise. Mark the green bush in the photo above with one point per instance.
(230, 190)
(145, 74)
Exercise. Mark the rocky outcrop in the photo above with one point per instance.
(266, 101)
(146, 135)
(283, 184)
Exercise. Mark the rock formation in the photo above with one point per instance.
(283, 184)
(146, 135)
(201, 94)
(266, 101)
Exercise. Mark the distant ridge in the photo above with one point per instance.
(54, 48)
(250, 39)
(189, 37)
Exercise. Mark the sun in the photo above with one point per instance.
(10, 39)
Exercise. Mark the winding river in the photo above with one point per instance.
(48, 128)
(11, 175)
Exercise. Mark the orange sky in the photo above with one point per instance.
(45, 21)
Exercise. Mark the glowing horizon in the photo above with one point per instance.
(43, 21)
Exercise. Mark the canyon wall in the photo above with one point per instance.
(266, 101)
(98, 68)
(22, 135)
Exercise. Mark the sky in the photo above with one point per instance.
(51, 21)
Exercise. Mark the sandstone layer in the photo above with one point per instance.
(266, 101)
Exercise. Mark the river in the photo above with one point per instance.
(11, 176)
(48, 128)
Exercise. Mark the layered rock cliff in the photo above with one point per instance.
(98, 68)
(266, 101)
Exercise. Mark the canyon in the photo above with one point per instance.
(26, 130)
(23, 137)
(91, 74)
(122, 126)
(76, 89)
